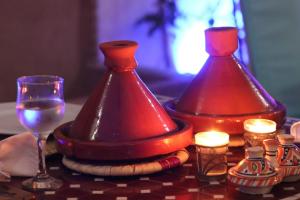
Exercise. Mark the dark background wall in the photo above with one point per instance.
(38, 37)
(273, 32)
(61, 37)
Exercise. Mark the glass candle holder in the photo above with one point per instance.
(258, 130)
(211, 148)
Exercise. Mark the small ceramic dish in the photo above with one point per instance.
(254, 174)
(288, 158)
(254, 185)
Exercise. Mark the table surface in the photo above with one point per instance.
(179, 183)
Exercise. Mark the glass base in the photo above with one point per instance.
(48, 183)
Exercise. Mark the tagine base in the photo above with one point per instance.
(127, 150)
(254, 185)
(231, 124)
(290, 173)
(132, 168)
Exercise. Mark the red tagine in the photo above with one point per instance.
(122, 119)
(224, 93)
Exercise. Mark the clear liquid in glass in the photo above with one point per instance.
(41, 115)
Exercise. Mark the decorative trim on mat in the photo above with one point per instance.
(170, 161)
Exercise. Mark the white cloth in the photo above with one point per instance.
(18, 155)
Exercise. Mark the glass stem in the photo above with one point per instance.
(42, 171)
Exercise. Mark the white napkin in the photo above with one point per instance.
(18, 155)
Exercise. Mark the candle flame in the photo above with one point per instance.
(259, 125)
(211, 138)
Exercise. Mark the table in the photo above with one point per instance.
(179, 183)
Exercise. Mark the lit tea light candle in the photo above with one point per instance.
(257, 130)
(211, 148)
(212, 139)
(259, 125)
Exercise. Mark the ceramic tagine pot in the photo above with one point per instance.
(288, 158)
(224, 93)
(121, 120)
(254, 174)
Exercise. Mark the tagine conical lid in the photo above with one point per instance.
(224, 88)
(121, 108)
(122, 119)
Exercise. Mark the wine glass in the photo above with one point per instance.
(40, 108)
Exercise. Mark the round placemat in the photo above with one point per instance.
(147, 167)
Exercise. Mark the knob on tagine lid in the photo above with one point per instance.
(271, 145)
(224, 93)
(121, 118)
(221, 41)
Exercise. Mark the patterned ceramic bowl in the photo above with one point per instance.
(254, 174)
(288, 158)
